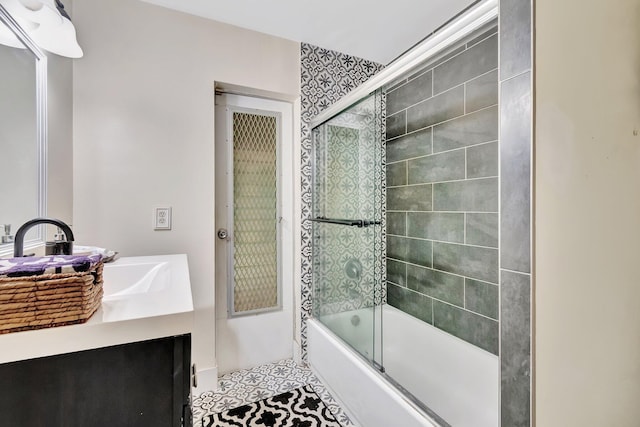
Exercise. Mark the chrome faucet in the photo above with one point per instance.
(18, 245)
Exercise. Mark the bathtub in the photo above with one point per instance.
(456, 380)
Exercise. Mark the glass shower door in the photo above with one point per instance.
(347, 232)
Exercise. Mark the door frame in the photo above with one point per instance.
(239, 336)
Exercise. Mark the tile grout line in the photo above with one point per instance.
(443, 152)
(445, 182)
(445, 302)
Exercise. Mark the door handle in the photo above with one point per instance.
(222, 234)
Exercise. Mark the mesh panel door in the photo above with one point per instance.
(255, 212)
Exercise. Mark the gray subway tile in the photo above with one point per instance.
(481, 297)
(469, 261)
(411, 198)
(447, 227)
(436, 284)
(410, 302)
(439, 167)
(420, 252)
(482, 160)
(396, 124)
(396, 223)
(483, 34)
(469, 64)
(411, 145)
(475, 329)
(482, 229)
(515, 37)
(515, 164)
(414, 91)
(481, 92)
(478, 195)
(439, 58)
(437, 109)
(470, 129)
(414, 251)
(397, 174)
(395, 84)
(515, 360)
(396, 248)
(397, 272)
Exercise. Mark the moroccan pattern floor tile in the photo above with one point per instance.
(240, 388)
(300, 407)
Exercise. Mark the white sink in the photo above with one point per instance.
(128, 278)
(145, 286)
(146, 297)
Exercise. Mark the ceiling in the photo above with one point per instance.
(378, 30)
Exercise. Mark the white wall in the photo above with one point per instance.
(144, 130)
(587, 213)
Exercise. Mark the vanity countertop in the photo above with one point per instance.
(145, 298)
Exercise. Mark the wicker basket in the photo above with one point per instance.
(48, 300)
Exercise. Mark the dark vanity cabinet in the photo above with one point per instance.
(138, 384)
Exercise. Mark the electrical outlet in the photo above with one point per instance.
(162, 218)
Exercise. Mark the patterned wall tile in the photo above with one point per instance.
(346, 272)
(326, 76)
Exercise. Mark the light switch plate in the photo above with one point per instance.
(162, 218)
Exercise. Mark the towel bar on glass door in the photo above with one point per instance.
(350, 222)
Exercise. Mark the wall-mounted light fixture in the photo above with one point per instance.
(46, 22)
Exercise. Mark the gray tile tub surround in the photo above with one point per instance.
(449, 298)
(416, 90)
(410, 302)
(475, 329)
(437, 109)
(436, 284)
(469, 261)
(477, 195)
(447, 166)
(447, 227)
(477, 60)
(481, 297)
(515, 297)
(409, 198)
(470, 129)
(516, 121)
(415, 251)
(397, 223)
(415, 144)
(515, 161)
(482, 229)
(463, 83)
(443, 192)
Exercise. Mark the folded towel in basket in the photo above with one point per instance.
(107, 254)
(53, 264)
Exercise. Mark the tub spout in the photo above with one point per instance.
(18, 245)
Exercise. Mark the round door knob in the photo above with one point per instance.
(222, 234)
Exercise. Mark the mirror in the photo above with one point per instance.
(23, 80)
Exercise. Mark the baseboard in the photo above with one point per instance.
(207, 381)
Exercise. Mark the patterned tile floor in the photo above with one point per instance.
(251, 385)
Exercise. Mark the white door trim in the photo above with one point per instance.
(251, 340)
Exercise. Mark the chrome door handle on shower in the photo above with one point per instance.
(350, 222)
(222, 234)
